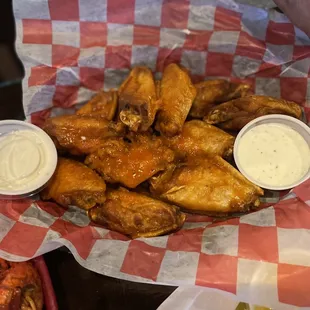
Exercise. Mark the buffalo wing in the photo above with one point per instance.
(177, 94)
(235, 114)
(213, 92)
(130, 162)
(20, 286)
(104, 104)
(198, 138)
(78, 134)
(136, 215)
(75, 184)
(138, 102)
(208, 186)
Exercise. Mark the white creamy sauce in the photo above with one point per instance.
(274, 154)
(23, 159)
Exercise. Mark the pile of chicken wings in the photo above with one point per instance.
(136, 158)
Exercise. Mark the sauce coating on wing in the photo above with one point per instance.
(104, 105)
(80, 134)
(130, 163)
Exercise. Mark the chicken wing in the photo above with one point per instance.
(235, 114)
(75, 184)
(138, 102)
(20, 286)
(157, 88)
(137, 215)
(78, 134)
(213, 92)
(130, 163)
(177, 94)
(207, 185)
(104, 104)
(198, 138)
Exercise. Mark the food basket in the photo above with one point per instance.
(50, 301)
(74, 48)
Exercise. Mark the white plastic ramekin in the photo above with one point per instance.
(47, 158)
(292, 122)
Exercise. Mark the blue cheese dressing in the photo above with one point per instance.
(274, 154)
(27, 160)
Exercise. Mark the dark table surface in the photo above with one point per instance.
(78, 288)
(75, 287)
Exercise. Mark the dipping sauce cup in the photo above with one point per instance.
(28, 159)
(273, 152)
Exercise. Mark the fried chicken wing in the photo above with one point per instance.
(104, 104)
(138, 102)
(137, 215)
(130, 163)
(235, 114)
(79, 134)
(198, 138)
(75, 184)
(207, 185)
(213, 92)
(157, 87)
(177, 94)
(20, 286)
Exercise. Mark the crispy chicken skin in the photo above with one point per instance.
(136, 215)
(130, 163)
(235, 114)
(104, 104)
(138, 102)
(213, 92)
(208, 186)
(75, 184)
(198, 138)
(177, 94)
(79, 134)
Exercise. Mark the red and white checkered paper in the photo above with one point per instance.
(73, 48)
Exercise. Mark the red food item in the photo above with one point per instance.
(20, 286)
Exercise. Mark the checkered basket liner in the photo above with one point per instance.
(73, 48)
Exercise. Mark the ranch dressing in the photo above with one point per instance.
(274, 154)
(24, 160)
